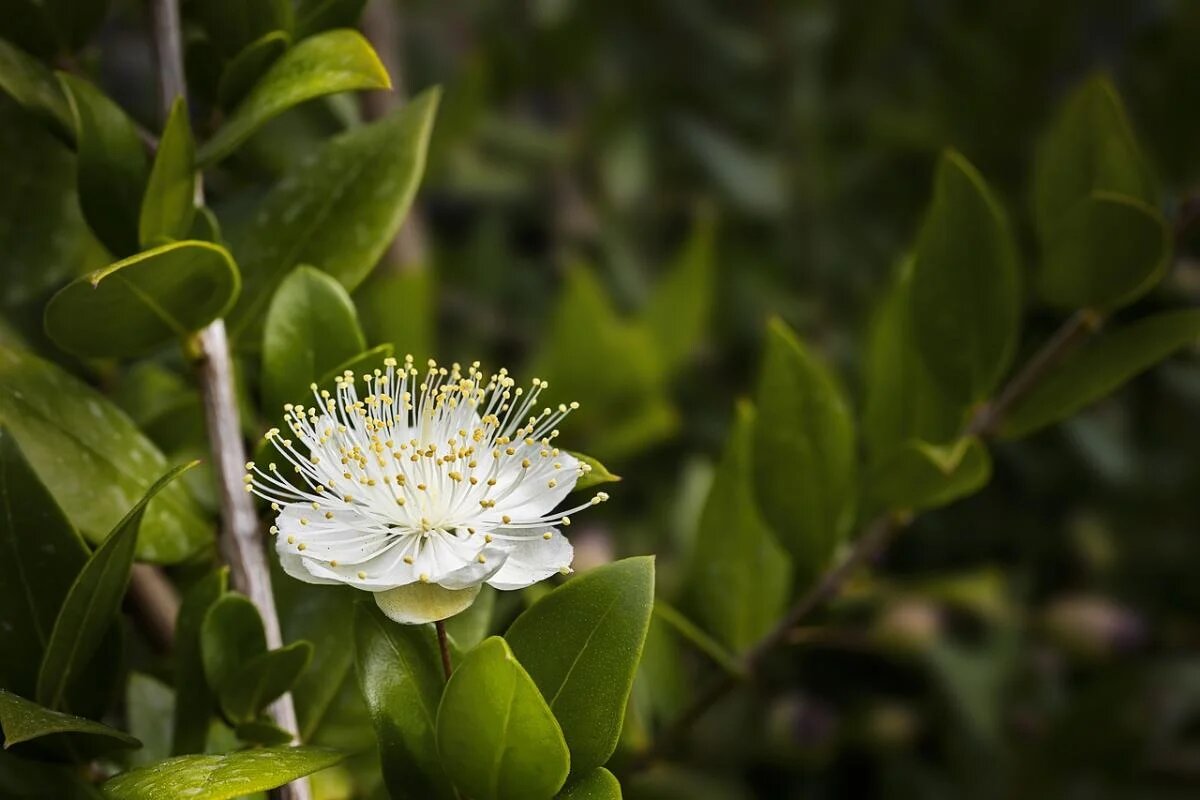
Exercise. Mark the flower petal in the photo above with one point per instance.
(293, 564)
(532, 559)
(419, 603)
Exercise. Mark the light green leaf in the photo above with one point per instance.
(193, 698)
(336, 61)
(965, 293)
(400, 674)
(597, 475)
(497, 737)
(34, 86)
(599, 784)
(804, 452)
(679, 309)
(93, 602)
(244, 69)
(169, 205)
(112, 165)
(314, 16)
(134, 306)
(231, 636)
(220, 777)
(739, 578)
(400, 308)
(581, 644)
(1101, 368)
(338, 210)
(311, 329)
(921, 475)
(24, 720)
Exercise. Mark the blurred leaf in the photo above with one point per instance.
(150, 709)
(973, 679)
(193, 698)
(93, 602)
(689, 632)
(336, 61)
(399, 308)
(804, 452)
(231, 637)
(921, 475)
(497, 737)
(364, 363)
(473, 625)
(581, 644)
(400, 673)
(42, 554)
(244, 70)
(311, 329)
(232, 25)
(678, 311)
(76, 20)
(34, 86)
(597, 475)
(1100, 368)
(599, 784)
(136, 305)
(220, 777)
(29, 779)
(739, 578)
(262, 679)
(206, 227)
(169, 206)
(339, 210)
(965, 294)
(23, 720)
(113, 168)
(314, 16)
(752, 179)
(264, 732)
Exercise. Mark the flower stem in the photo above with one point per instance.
(444, 646)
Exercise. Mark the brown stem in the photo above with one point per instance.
(444, 646)
(154, 603)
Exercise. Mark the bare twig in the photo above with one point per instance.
(154, 604)
(444, 647)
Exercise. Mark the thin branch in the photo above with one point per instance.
(444, 647)
(154, 604)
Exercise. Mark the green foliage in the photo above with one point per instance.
(599, 784)
(23, 720)
(313, 16)
(262, 679)
(399, 308)
(921, 475)
(193, 697)
(497, 737)
(596, 476)
(220, 777)
(243, 70)
(34, 86)
(678, 311)
(169, 206)
(232, 25)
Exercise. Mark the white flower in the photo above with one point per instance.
(430, 485)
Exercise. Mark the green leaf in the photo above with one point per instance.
(244, 69)
(134, 306)
(220, 777)
(739, 578)
(804, 452)
(264, 732)
(169, 205)
(365, 362)
(581, 644)
(597, 475)
(599, 784)
(40, 555)
(965, 293)
(399, 308)
(497, 737)
(311, 329)
(473, 625)
(232, 25)
(51, 414)
(688, 631)
(231, 636)
(400, 674)
(338, 210)
(24, 720)
(1100, 368)
(112, 165)
(262, 679)
(679, 309)
(29, 779)
(34, 86)
(921, 475)
(336, 61)
(193, 698)
(1108, 251)
(93, 602)
(149, 712)
(314, 16)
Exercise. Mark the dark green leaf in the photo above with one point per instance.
(597, 475)
(400, 674)
(679, 309)
(244, 69)
(581, 644)
(922, 475)
(169, 206)
(193, 698)
(497, 737)
(965, 293)
(37, 780)
(24, 720)
(220, 777)
(314, 16)
(262, 679)
(599, 784)
(76, 20)
(93, 602)
(231, 636)
(34, 86)
(399, 308)
(263, 732)
(232, 25)
(338, 210)
(804, 452)
(336, 61)
(1100, 368)
(134, 306)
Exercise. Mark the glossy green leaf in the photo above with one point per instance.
(52, 415)
(400, 674)
(262, 679)
(965, 285)
(232, 25)
(40, 555)
(93, 602)
(739, 578)
(599, 784)
(399, 308)
(597, 475)
(220, 777)
(804, 452)
(113, 167)
(193, 697)
(136, 305)
(336, 61)
(231, 636)
(314, 16)
(678, 311)
(339, 210)
(33, 85)
(921, 475)
(497, 737)
(24, 720)
(311, 329)
(169, 205)
(1100, 368)
(244, 69)
(581, 644)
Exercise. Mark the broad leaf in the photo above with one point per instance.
(679, 309)
(169, 205)
(24, 720)
(231, 636)
(595, 476)
(337, 61)
(314, 16)
(34, 86)
(193, 698)
(581, 644)
(220, 777)
(965, 293)
(134, 306)
(497, 737)
(599, 784)
(93, 602)
(339, 210)
(804, 452)
(262, 679)
(921, 475)
(244, 69)
(1100, 368)
(400, 674)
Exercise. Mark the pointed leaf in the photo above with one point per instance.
(220, 777)
(262, 679)
(32, 84)
(597, 474)
(232, 25)
(921, 475)
(24, 720)
(679, 309)
(244, 69)
(599, 784)
(169, 205)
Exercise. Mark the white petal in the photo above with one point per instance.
(293, 564)
(419, 603)
(532, 559)
(475, 572)
(534, 498)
